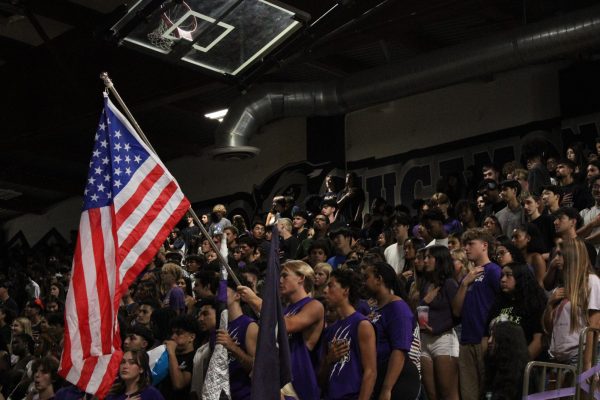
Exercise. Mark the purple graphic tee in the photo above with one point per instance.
(346, 374)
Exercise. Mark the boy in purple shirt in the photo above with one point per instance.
(349, 369)
(473, 302)
(240, 341)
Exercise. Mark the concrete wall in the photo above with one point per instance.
(453, 113)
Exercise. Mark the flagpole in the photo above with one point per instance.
(111, 87)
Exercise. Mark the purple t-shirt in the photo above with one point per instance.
(175, 299)
(441, 318)
(239, 380)
(479, 300)
(148, 393)
(394, 324)
(304, 377)
(346, 374)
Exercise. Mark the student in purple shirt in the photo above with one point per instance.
(134, 379)
(473, 302)
(348, 369)
(397, 376)
(304, 322)
(174, 297)
(240, 341)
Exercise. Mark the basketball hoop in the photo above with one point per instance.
(184, 30)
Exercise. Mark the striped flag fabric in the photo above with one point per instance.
(131, 203)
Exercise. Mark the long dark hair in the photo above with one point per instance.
(444, 266)
(142, 360)
(528, 295)
(506, 362)
(389, 278)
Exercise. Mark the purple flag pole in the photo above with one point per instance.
(272, 361)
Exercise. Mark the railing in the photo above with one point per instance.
(563, 380)
(561, 374)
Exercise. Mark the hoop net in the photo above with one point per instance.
(183, 31)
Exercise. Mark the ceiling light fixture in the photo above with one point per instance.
(218, 115)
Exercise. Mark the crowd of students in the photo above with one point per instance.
(448, 302)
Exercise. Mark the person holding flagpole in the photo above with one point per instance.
(240, 341)
(348, 368)
(304, 322)
(131, 202)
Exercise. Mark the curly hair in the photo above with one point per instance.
(528, 294)
(506, 361)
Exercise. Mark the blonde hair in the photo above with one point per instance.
(286, 223)
(25, 324)
(173, 269)
(439, 198)
(219, 208)
(461, 255)
(325, 267)
(301, 268)
(576, 271)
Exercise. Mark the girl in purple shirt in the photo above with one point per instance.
(397, 376)
(348, 369)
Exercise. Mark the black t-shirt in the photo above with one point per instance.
(576, 195)
(186, 364)
(506, 310)
(545, 223)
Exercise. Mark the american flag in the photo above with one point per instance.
(131, 203)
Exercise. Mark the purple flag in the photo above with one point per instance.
(271, 369)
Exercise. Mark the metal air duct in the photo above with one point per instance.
(529, 44)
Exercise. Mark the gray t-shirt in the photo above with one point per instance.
(510, 219)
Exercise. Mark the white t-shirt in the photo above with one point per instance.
(394, 255)
(565, 344)
(588, 215)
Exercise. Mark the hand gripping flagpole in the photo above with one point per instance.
(109, 86)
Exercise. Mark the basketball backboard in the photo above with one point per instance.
(223, 36)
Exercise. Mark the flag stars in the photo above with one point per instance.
(127, 147)
(98, 170)
(128, 171)
(101, 188)
(91, 180)
(107, 178)
(118, 171)
(118, 184)
(105, 160)
(127, 159)
(94, 197)
(104, 143)
(96, 136)
(137, 159)
(118, 134)
(109, 195)
(117, 159)
(96, 153)
(118, 146)
(103, 126)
